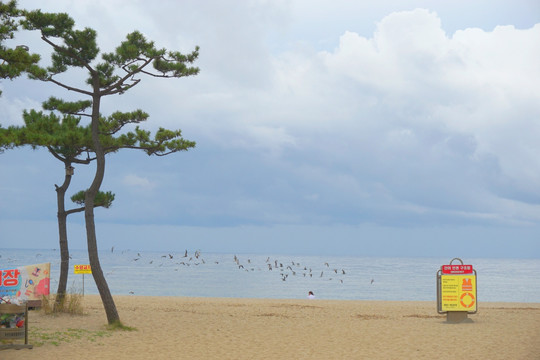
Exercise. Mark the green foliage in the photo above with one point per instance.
(103, 199)
(50, 24)
(116, 121)
(8, 25)
(136, 47)
(114, 75)
(63, 135)
(79, 46)
(177, 64)
(107, 77)
(13, 62)
(5, 139)
(76, 107)
(68, 140)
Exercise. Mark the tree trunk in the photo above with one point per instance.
(62, 231)
(97, 273)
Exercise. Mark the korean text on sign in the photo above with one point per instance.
(82, 269)
(9, 277)
(457, 269)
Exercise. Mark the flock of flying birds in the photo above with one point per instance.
(293, 269)
(284, 269)
(198, 259)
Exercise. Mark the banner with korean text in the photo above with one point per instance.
(26, 283)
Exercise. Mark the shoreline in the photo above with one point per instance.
(253, 328)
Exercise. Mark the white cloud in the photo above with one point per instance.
(483, 85)
(370, 112)
(12, 109)
(139, 182)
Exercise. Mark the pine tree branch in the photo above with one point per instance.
(73, 211)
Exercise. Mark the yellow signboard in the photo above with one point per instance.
(458, 292)
(82, 269)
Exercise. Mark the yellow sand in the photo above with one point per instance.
(220, 328)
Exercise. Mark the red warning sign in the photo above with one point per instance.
(457, 269)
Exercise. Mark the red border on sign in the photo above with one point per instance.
(457, 269)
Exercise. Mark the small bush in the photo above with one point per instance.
(72, 303)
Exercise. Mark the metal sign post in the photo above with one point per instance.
(82, 269)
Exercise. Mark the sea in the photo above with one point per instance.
(193, 273)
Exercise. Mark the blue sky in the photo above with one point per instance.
(373, 128)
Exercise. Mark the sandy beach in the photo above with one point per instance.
(225, 328)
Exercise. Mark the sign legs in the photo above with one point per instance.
(456, 317)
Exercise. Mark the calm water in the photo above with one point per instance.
(249, 276)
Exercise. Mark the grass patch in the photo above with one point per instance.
(41, 337)
(117, 325)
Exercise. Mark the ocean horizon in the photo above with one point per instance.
(194, 273)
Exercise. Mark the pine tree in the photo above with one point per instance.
(116, 73)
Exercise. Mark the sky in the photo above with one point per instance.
(363, 128)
